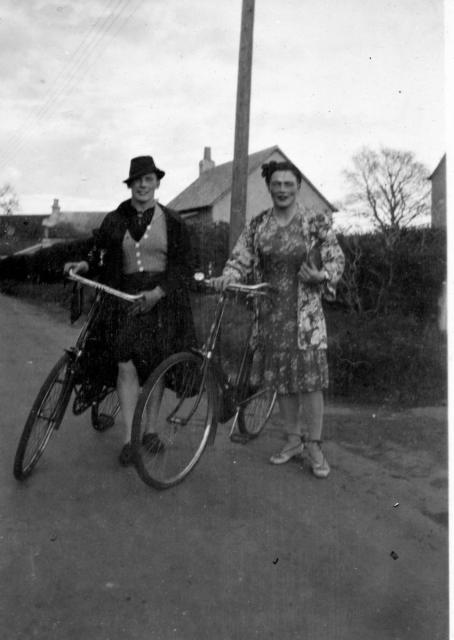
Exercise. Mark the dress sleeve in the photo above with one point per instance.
(325, 243)
(333, 261)
(240, 264)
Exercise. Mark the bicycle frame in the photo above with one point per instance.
(50, 404)
(102, 290)
(95, 308)
(230, 391)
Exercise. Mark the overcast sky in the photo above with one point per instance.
(88, 84)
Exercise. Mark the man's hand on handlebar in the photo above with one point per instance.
(147, 302)
(76, 267)
(222, 282)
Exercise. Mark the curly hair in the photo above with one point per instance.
(270, 167)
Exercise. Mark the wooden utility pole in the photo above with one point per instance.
(243, 104)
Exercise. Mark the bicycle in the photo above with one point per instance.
(189, 393)
(68, 375)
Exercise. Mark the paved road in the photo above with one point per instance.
(240, 550)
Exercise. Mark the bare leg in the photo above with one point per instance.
(288, 406)
(312, 410)
(128, 392)
(312, 406)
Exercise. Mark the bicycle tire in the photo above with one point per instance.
(183, 422)
(255, 412)
(44, 418)
(103, 413)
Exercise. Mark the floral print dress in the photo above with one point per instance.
(291, 337)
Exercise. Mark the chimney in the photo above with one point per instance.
(207, 163)
(56, 208)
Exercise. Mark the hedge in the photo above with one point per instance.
(384, 342)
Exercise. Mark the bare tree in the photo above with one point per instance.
(349, 289)
(389, 188)
(9, 202)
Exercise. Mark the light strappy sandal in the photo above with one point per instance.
(287, 454)
(320, 468)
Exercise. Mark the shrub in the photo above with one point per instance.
(210, 243)
(394, 358)
(384, 344)
(45, 265)
(405, 278)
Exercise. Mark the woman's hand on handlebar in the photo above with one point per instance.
(148, 301)
(76, 267)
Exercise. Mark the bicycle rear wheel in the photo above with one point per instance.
(255, 411)
(103, 413)
(177, 404)
(45, 416)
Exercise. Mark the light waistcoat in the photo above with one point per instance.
(150, 252)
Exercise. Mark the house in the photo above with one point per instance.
(66, 225)
(20, 232)
(208, 198)
(438, 197)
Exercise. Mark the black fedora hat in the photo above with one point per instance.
(140, 166)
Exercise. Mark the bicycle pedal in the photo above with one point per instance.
(239, 438)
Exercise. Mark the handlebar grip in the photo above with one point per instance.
(103, 287)
(262, 288)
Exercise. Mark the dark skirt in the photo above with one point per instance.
(146, 338)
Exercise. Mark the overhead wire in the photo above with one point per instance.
(91, 48)
(81, 57)
(63, 71)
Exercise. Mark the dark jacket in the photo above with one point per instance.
(106, 256)
(106, 259)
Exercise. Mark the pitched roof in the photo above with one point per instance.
(440, 166)
(214, 183)
(78, 219)
(211, 185)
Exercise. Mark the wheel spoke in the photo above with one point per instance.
(176, 406)
(45, 416)
(255, 412)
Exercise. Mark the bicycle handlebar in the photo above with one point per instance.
(103, 287)
(262, 288)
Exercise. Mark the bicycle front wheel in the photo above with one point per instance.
(103, 413)
(255, 411)
(45, 416)
(173, 420)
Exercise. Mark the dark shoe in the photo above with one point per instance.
(126, 458)
(152, 443)
(102, 422)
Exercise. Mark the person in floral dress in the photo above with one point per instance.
(297, 252)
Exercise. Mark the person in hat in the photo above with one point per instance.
(142, 247)
(296, 250)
